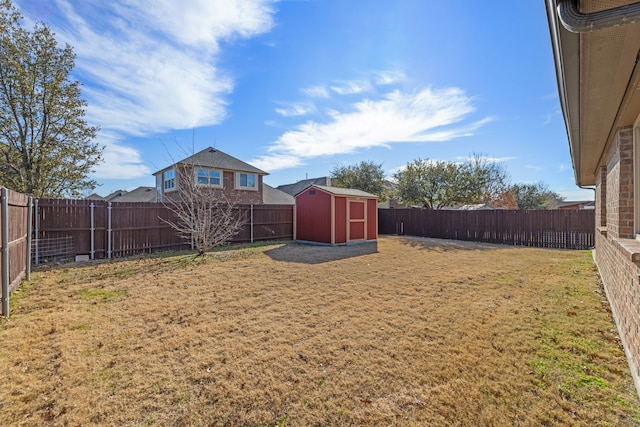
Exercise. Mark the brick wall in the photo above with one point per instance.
(620, 276)
(625, 192)
(241, 197)
(619, 186)
(238, 197)
(617, 253)
(601, 197)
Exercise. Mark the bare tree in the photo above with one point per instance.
(202, 213)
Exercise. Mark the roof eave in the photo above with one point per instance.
(565, 46)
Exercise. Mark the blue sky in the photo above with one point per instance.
(297, 87)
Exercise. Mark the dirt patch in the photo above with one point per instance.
(406, 332)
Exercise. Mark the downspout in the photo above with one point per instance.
(577, 22)
(594, 189)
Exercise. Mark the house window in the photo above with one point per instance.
(158, 188)
(246, 181)
(210, 177)
(169, 179)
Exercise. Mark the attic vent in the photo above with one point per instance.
(213, 150)
(312, 192)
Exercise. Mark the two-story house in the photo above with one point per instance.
(214, 170)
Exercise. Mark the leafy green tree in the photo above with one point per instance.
(483, 181)
(430, 184)
(536, 196)
(365, 176)
(46, 147)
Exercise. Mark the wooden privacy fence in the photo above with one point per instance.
(15, 233)
(98, 229)
(565, 229)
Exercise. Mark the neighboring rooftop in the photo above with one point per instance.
(475, 207)
(214, 158)
(112, 196)
(140, 194)
(94, 196)
(299, 186)
(273, 196)
(576, 204)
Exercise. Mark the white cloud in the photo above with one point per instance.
(389, 77)
(488, 159)
(351, 87)
(202, 23)
(150, 66)
(316, 91)
(293, 109)
(120, 162)
(425, 116)
(276, 162)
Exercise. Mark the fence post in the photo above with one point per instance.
(91, 210)
(29, 226)
(251, 223)
(109, 230)
(4, 213)
(36, 233)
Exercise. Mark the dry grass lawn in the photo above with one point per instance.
(413, 332)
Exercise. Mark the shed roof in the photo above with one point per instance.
(337, 191)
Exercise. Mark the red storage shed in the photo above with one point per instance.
(335, 216)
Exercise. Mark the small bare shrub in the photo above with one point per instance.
(205, 215)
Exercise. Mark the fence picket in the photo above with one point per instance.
(130, 228)
(565, 229)
(14, 235)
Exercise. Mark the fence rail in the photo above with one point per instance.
(99, 229)
(564, 229)
(15, 232)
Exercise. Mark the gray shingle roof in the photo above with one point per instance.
(214, 158)
(140, 194)
(297, 187)
(114, 195)
(273, 196)
(344, 191)
(94, 196)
